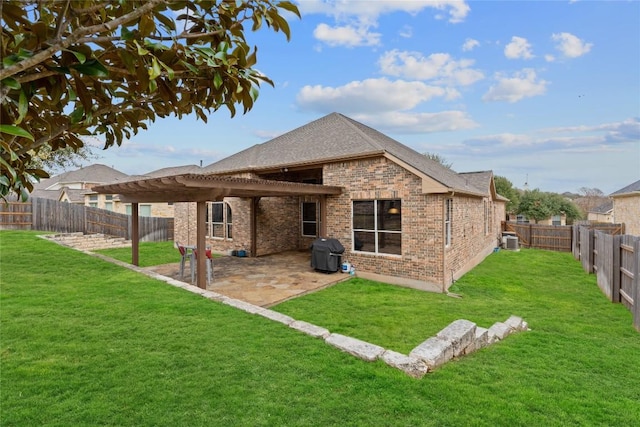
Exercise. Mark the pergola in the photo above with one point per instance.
(202, 189)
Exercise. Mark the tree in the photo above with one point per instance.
(505, 188)
(91, 67)
(590, 199)
(61, 159)
(538, 205)
(440, 159)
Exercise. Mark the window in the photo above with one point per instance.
(108, 197)
(219, 220)
(486, 217)
(556, 220)
(448, 217)
(310, 219)
(144, 210)
(108, 206)
(377, 226)
(127, 209)
(93, 197)
(93, 204)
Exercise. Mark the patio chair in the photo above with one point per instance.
(186, 255)
(209, 262)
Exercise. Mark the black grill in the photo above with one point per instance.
(326, 255)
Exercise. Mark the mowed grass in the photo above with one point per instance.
(85, 342)
(149, 253)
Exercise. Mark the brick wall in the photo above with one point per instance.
(424, 256)
(626, 209)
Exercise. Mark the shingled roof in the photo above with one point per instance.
(332, 138)
(93, 174)
(631, 188)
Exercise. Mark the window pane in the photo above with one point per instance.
(108, 206)
(218, 230)
(389, 215)
(309, 211)
(390, 243)
(216, 210)
(364, 241)
(363, 215)
(229, 231)
(308, 228)
(145, 210)
(229, 217)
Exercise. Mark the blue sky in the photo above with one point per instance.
(545, 92)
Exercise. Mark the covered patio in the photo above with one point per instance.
(202, 189)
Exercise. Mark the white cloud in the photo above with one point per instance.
(417, 123)
(523, 84)
(519, 48)
(406, 32)
(470, 44)
(549, 58)
(370, 96)
(368, 10)
(439, 67)
(570, 45)
(347, 35)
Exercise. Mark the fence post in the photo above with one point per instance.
(615, 286)
(636, 285)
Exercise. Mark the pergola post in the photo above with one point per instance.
(201, 245)
(135, 235)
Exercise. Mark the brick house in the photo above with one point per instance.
(402, 217)
(626, 207)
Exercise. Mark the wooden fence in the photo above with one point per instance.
(61, 217)
(615, 260)
(551, 237)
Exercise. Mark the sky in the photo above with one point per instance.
(544, 93)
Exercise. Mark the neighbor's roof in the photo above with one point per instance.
(629, 189)
(333, 138)
(604, 208)
(74, 195)
(95, 174)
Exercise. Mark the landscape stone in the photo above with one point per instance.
(409, 365)
(515, 323)
(275, 316)
(460, 334)
(434, 352)
(355, 347)
(310, 329)
(481, 340)
(245, 306)
(499, 330)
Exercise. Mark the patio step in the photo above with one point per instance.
(89, 242)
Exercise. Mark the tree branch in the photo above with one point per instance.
(58, 45)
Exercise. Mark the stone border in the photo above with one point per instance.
(458, 339)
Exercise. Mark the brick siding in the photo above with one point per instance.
(626, 209)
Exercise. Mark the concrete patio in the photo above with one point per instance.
(263, 281)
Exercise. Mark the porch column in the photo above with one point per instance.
(201, 245)
(254, 225)
(323, 216)
(135, 235)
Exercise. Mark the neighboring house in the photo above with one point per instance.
(77, 187)
(601, 213)
(626, 207)
(402, 217)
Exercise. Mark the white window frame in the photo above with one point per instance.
(448, 222)
(226, 224)
(375, 231)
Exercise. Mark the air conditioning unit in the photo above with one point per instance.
(511, 243)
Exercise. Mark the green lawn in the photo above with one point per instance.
(149, 253)
(85, 342)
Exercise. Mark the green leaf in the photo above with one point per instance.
(11, 83)
(168, 69)
(23, 107)
(76, 115)
(16, 131)
(154, 71)
(141, 51)
(92, 67)
(79, 56)
(217, 81)
(126, 34)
